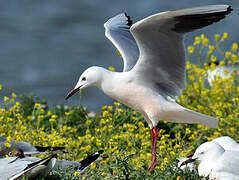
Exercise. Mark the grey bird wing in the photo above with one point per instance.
(81, 166)
(33, 166)
(11, 166)
(117, 31)
(227, 165)
(63, 164)
(159, 37)
(227, 143)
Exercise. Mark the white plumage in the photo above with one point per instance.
(160, 69)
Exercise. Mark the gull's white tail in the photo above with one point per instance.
(184, 115)
(199, 118)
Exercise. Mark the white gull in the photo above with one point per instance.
(215, 162)
(159, 73)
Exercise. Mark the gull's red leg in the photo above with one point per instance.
(154, 135)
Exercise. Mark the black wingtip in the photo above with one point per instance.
(191, 22)
(129, 20)
(100, 151)
(229, 9)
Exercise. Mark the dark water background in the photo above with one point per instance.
(46, 44)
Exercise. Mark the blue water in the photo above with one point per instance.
(46, 44)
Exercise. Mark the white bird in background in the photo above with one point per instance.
(222, 71)
(159, 73)
(215, 162)
(226, 142)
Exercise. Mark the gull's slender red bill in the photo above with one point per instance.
(73, 91)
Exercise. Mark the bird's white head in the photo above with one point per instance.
(90, 77)
(208, 150)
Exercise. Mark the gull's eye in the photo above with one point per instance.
(10, 153)
(83, 79)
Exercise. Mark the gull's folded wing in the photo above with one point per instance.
(160, 40)
(117, 31)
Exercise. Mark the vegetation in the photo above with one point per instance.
(122, 133)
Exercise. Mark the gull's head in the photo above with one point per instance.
(90, 77)
(208, 150)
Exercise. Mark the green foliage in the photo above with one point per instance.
(123, 133)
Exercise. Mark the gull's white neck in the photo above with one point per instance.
(111, 82)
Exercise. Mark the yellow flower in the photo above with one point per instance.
(37, 105)
(77, 174)
(117, 104)
(103, 107)
(67, 113)
(88, 122)
(92, 166)
(217, 37)
(190, 49)
(51, 120)
(228, 54)
(197, 40)
(54, 116)
(0, 87)
(211, 49)
(111, 69)
(6, 98)
(188, 131)
(234, 58)
(7, 145)
(234, 47)
(179, 178)
(205, 42)
(18, 104)
(224, 36)
(222, 63)
(14, 95)
(213, 58)
(42, 111)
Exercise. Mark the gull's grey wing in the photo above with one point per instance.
(159, 37)
(227, 165)
(63, 164)
(81, 166)
(117, 31)
(33, 166)
(227, 143)
(12, 165)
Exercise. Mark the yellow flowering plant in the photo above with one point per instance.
(123, 133)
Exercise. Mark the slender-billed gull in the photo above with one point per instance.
(159, 72)
(215, 162)
(225, 141)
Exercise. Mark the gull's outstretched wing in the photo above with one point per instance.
(161, 63)
(117, 31)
